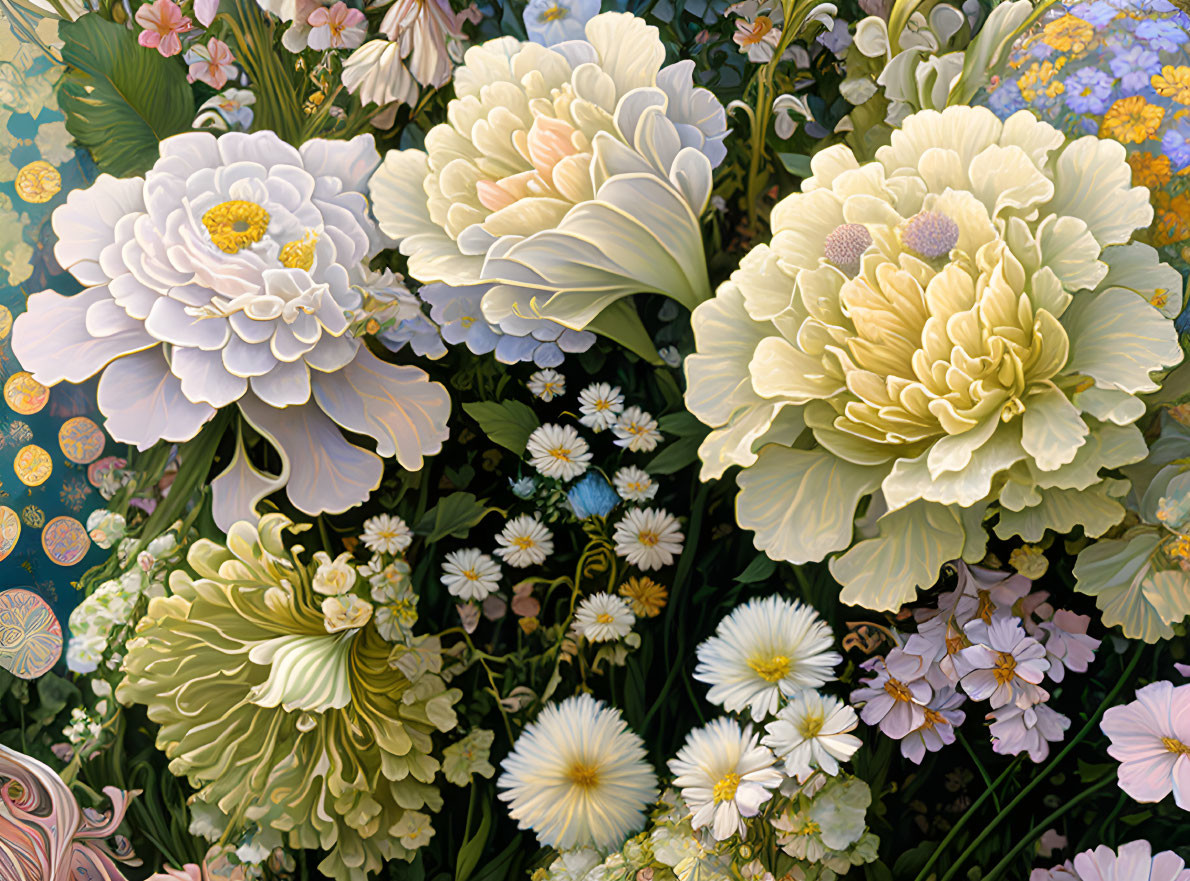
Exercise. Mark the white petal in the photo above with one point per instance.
(143, 402)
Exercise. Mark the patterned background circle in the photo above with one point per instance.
(10, 530)
(65, 540)
(33, 465)
(81, 440)
(24, 394)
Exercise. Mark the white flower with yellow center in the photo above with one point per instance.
(470, 574)
(764, 649)
(634, 484)
(558, 451)
(648, 538)
(566, 179)
(223, 277)
(811, 732)
(636, 431)
(600, 405)
(961, 328)
(603, 617)
(578, 777)
(725, 775)
(524, 541)
(547, 385)
(386, 534)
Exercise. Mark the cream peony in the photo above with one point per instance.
(958, 330)
(225, 276)
(566, 179)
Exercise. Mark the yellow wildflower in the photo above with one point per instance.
(1131, 120)
(1068, 34)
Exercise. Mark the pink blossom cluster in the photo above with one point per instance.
(993, 638)
(1134, 860)
(164, 26)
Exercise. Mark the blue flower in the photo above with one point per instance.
(1088, 91)
(592, 496)
(523, 488)
(1098, 13)
(1176, 145)
(1162, 34)
(555, 21)
(1006, 99)
(1134, 66)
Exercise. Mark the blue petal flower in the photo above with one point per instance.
(592, 496)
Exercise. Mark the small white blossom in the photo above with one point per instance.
(558, 451)
(333, 577)
(385, 534)
(470, 574)
(599, 405)
(603, 617)
(547, 384)
(634, 484)
(648, 538)
(636, 431)
(524, 541)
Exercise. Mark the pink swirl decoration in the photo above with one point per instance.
(45, 835)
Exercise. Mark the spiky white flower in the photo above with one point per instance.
(386, 534)
(600, 405)
(636, 431)
(470, 574)
(648, 538)
(634, 484)
(603, 617)
(558, 451)
(810, 732)
(547, 384)
(524, 541)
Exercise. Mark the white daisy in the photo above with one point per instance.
(547, 384)
(764, 649)
(603, 617)
(811, 732)
(578, 777)
(470, 574)
(524, 541)
(558, 451)
(385, 534)
(724, 775)
(600, 404)
(636, 431)
(634, 484)
(649, 538)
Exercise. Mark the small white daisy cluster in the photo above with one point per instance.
(993, 638)
(381, 588)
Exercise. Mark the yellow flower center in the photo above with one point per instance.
(649, 538)
(986, 607)
(807, 828)
(584, 776)
(38, 182)
(1175, 746)
(725, 789)
(812, 725)
(524, 542)
(772, 669)
(299, 254)
(897, 690)
(471, 575)
(235, 225)
(1004, 669)
(554, 13)
(562, 453)
(933, 717)
(604, 618)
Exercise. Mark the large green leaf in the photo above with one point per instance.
(120, 98)
(453, 516)
(507, 423)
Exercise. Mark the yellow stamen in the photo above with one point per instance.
(299, 254)
(235, 225)
(772, 669)
(897, 690)
(605, 618)
(1004, 669)
(583, 775)
(554, 13)
(649, 538)
(725, 789)
(1175, 746)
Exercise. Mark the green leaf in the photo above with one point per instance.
(507, 423)
(453, 516)
(676, 456)
(472, 849)
(120, 98)
(796, 163)
(760, 569)
(501, 866)
(683, 424)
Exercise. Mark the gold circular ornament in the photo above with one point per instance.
(38, 182)
(65, 541)
(32, 465)
(24, 394)
(10, 530)
(33, 516)
(81, 440)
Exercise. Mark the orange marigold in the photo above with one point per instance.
(1149, 170)
(1131, 120)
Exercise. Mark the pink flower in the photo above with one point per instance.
(1063, 872)
(211, 63)
(1150, 737)
(339, 27)
(1016, 730)
(1068, 646)
(1133, 863)
(942, 714)
(205, 11)
(162, 21)
(895, 699)
(1006, 664)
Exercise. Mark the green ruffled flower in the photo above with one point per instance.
(277, 722)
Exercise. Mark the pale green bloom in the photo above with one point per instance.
(959, 330)
(469, 756)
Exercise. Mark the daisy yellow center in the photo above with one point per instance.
(634, 428)
(604, 618)
(1175, 746)
(562, 453)
(1004, 669)
(897, 690)
(554, 13)
(772, 669)
(584, 775)
(299, 254)
(524, 542)
(471, 575)
(725, 789)
(235, 225)
(602, 404)
(811, 725)
(648, 537)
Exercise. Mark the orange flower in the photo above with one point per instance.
(1131, 120)
(1173, 82)
(1149, 170)
(1068, 34)
(645, 595)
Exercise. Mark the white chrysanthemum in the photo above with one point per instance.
(810, 732)
(636, 431)
(470, 574)
(648, 538)
(224, 277)
(962, 327)
(600, 405)
(634, 484)
(547, 384)
(764, 649)
(725, 775)
(524, 541)
(565, 179)
(603, 617)
(386, 534)
(558, 451)
(577, 776)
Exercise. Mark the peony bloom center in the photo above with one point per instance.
(772, 669)
(726, 788)
(931, 234)
(235, 225)
(299, 254)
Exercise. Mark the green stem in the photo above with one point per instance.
(987, 780)
(1046, 823)
(1048, 769)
